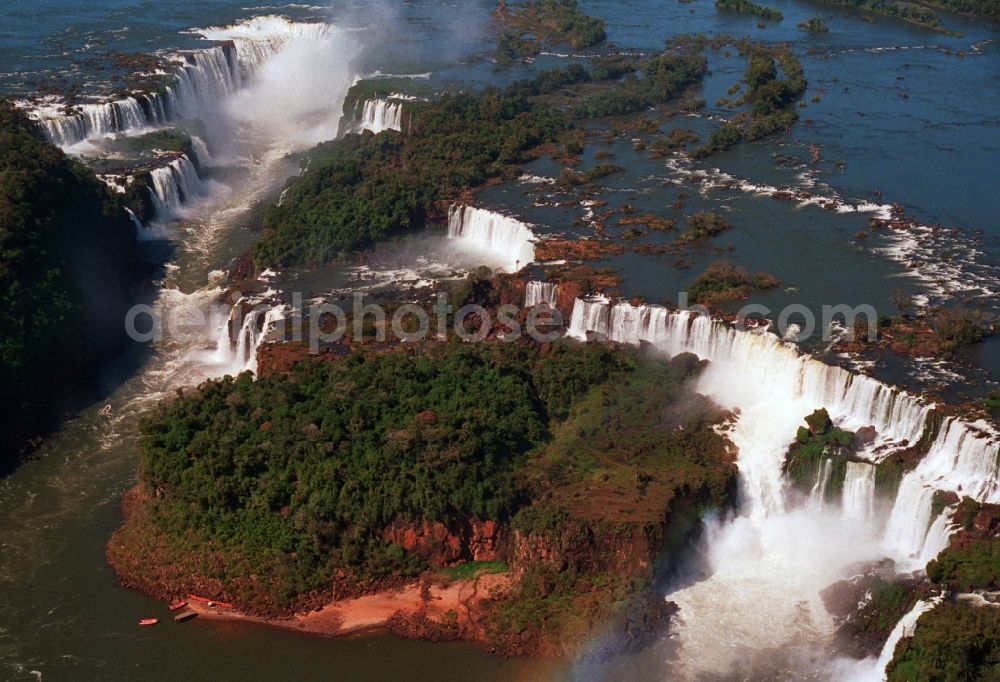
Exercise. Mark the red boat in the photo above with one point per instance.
(209, 602)
(177, 605)
(149, 621)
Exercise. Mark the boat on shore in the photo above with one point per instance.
(209, 602)
(185, 616)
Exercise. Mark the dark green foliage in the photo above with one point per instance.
(890, 600)
(612, 67)
(165, 140)
(819, 423)
(952, 642)
(138, 197)
(982, 8)
(677, 138)
(67, 255)
(364, 188)
(721, 281)
(958, 327)
(704, 225)
(972, 560)
(626, 464)
(771, 100)
(571, 178)
(381, 88)
(814, 25)
(992, 402)
(974, 565)
(512, 47)
(663, 78)
(314, 465)
(548, 22)
(915, 14)
(748, 7)
(816, 445)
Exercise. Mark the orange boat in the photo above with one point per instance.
(149, 621)
(177, 605)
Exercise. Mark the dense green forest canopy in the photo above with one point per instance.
(952, 641)
(315, 464)
(67, 253)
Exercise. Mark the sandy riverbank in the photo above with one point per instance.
(454, 602)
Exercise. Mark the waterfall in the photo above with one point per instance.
(760, 359)
(858, 501)
(904, 628)
(506, 239)
(537, 293)
(910, 519)
(237, 348)
(960, 460)
(135, 221)
(200, 79)
(938, 536)
(769, 564)
(380, 114)
(257, 39)
(818, 492)
(95, 120)
(174, 184)
(963, 458)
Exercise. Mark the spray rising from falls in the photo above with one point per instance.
(202, 78)
(506, 239)
(770, 563)
(381, 114)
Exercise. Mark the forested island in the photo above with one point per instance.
(361, 473)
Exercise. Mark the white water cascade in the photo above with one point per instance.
(139, 228)
(858, 500)
(906, 626)
(537, 293)
(505, 239)
(381, 114)
(201, 79)
(768, 565)
(174, 184)
(236, 349)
